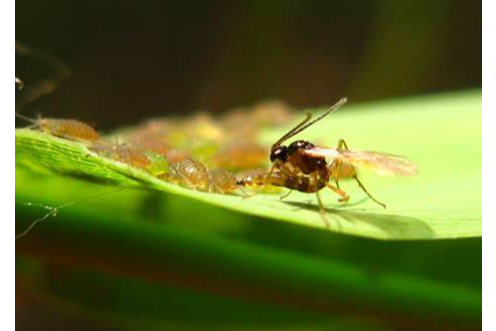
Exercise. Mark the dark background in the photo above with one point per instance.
(135, 59)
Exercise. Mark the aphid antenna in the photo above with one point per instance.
(27, 119)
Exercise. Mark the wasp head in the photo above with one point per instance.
(279, 153)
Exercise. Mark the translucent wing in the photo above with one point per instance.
(382, 164)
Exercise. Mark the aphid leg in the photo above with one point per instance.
(35, 124)
(282, 197)
(243, 191)
(322, 210)
(344, 197)
(187, 181)
(343, 146)
(245, 194)
(52, 212)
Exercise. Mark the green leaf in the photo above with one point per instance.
(442, 135)
(140, 258)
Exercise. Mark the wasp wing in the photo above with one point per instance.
(382, 164)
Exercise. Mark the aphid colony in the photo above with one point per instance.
(199, 152)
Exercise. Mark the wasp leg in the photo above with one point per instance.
(344, 197)
(285, 170)
(322, 209)
(266, 180)
(282, 197)
(337, 171)
(343, 146)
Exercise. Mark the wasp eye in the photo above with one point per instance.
(280, 153)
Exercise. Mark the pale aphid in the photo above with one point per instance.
(190, 173)
(124, 153)
(64, 128)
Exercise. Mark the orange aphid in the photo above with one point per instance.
(193, 174)
(190, 173)
(64, 128)
(222, 181)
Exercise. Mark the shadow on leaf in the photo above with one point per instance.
(393, 225)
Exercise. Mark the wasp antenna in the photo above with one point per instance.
(334, 107)
(291, 132)
(305, 123)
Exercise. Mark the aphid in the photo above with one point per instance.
(64, 128)
(222, 181)
(201, 128)
(302, 166)
(151, 135)
(271, 113)
(195, 175)
(175, 155)
(190, 173)
(123, 153)
(240, 155)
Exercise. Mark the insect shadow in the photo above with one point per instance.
(394, 225)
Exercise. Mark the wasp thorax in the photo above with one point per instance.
(280, 153)
(299, 144)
